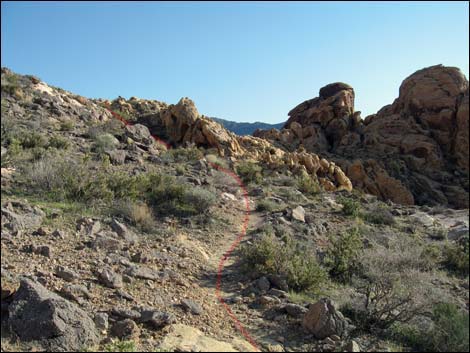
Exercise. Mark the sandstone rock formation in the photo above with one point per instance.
(412, 151)
(181, 124)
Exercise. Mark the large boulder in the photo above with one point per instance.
(323, 320)
(20, 216)
(36, 314)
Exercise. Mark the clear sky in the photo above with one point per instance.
(237, 60)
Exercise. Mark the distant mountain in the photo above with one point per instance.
(246, 128)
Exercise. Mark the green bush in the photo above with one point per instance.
(379, 216)
(270, 256)
(120, 346)
(33, 139)
(63, 178)
(250, 172)
(199, 200)
(350, 207)
(456, 256)
(307, 185)
(137, 213)
(104, 142)
(448, 332)
(343, 254)
(59, 142)
(182, 155)
(266, 205)
(395, 284)
(67, 125)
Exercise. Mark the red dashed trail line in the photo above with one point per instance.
(237, 241)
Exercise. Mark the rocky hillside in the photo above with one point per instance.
(412, 151)
(170, 233)
(246, 128)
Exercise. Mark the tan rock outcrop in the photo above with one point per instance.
(414, 150)
(181, 124)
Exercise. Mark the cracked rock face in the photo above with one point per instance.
(412, 151)
(36, 314)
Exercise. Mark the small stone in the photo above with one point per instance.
(278, 293)
(106, 242)
(263, 284)
(295, 310)
(121, 294)
(192, 306)
(227, 196)
(119, 228)
(65, 274)
(155, 318)
(126, 313)
(125, 329)
(43, 250)
(275, 348)
(109, 278)
(40, 231)
(75, 292)
(58, 234)
(298, 214)
(265, 300)
(101, 321)
(352, 346)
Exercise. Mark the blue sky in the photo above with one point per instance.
(238, 61)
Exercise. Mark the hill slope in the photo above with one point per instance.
(112, 240)
(246, 128)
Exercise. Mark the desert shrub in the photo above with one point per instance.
(64, 178)
(104, 142)
(32, 139)
(182, 155)
(14, 147)
(447, 333)
(137, 213)
(456, 256)
(270, 256)
(180, 169)
(199, 199)
(342, 257)
(11, 86)
(450, 330)
(59, 142)
(285, 180)
(67, 125)
(167, 196)
(250, 172)
(379, 216)
(350, 207)
(266, 205)
(37, 153)
(120, 346)
(394, 284)
(308, 185)
(438, 233)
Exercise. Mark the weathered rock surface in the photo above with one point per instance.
(36, 314)
(183, 338)
(323, 320)
(181, 124)
(415, 150)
